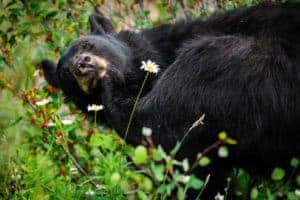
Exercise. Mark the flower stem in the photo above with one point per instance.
(135, 105)
(95, 118)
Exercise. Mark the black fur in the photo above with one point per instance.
(239, 68)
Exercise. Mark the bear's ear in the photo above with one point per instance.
(49, 69)
(100, 25)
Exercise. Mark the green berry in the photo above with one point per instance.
(204, 161)
(115, 178)
(298, 180)
(140, 155)
(147, 184)
(278, 174)
(222, 135)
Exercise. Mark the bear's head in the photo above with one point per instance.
(88, 60)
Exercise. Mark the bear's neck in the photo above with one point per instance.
(141, 49)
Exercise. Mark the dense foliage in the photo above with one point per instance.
(48, 150)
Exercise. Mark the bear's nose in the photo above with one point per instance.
(87, 59)
(84, 65)
(84, 61)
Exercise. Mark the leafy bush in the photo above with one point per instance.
(50, 151)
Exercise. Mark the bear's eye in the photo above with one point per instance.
(86, 46)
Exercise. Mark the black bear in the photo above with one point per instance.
(240, 68)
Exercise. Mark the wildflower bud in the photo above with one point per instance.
(146, 131)
(185, 165)
(90, 192)
(95, 107)
(297, 193)
(219, 197)
(43, 101)
(223, 152)
(185, 179)
(74, 170)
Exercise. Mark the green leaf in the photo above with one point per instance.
(142, 195)
(294, 162)
(292, 196)
(231, 141)
(243, 180)
(194, 183)
(147, 184)
(158, 154)
(103, 141)
(278, 174)
(95, 140)
(69, 128)
(254, 193)
(298, 180)
(175, 149)
(80, 151)
(180, 194)
(162, 189)
(158, 171)
(48, 13)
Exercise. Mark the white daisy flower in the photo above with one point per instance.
(185, 179)
(74, 170)
(98, 186)
(50, 124)
(90, 192)
(297, 192)
(95, 107)
(63, 121)
(67, 121)
(219, 197)
(43, 101)
(146, 131)
(185, 165)
(150, 66)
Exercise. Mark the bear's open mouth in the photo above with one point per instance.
(83, 69)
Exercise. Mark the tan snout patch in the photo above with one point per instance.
(85, 82)
(99, 62)
(103, 64)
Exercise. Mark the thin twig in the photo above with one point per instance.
(227, 187)
(194, 125)
(205, 151)
(78, 166)
(204, 186)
